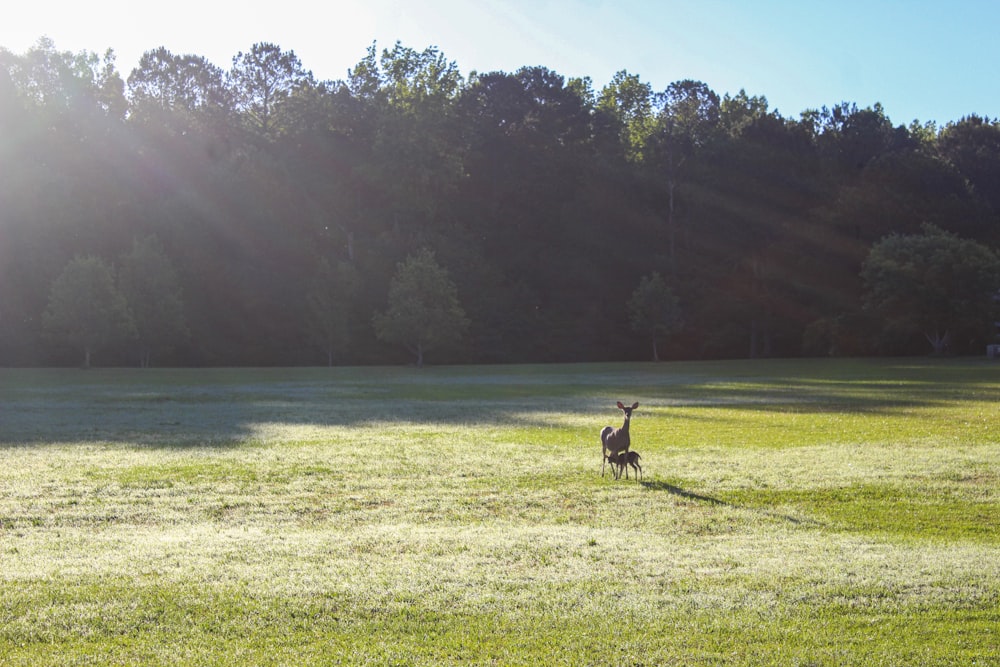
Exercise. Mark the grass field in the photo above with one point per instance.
(791, 513)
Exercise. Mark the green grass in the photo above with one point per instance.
(791, 513)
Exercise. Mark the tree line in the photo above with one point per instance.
(190, 215)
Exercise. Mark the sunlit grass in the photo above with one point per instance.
(791, 513)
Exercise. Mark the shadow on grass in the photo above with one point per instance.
(684, 493)
(659, 485)
(228, 407)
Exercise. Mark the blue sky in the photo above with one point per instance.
(930, 61)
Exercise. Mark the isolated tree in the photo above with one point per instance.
(148, 281)
(328, 304)
(654, 310)
(933, 282)
(423, 311)
(85, 308)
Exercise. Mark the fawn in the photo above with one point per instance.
(623, 461)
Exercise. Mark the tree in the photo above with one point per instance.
(64, 81)
(181, 86)
(853, 137)
(148, 281)
(690, 113)
(933, 282)
(262, 79)
(424, 312)
(85, 309)
(737, 113)
(527, 168)
(415, 159)
(973, 146)
(329, 304)
(630, 102)
(654, 310)
(688, 119)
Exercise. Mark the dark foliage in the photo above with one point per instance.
(545, 202)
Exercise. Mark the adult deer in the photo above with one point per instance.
(616, 440)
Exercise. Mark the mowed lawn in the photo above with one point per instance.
(807, 512)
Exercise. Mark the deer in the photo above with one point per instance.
(624, 459)
(616, 466)
(615, 440)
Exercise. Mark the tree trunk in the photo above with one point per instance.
(671, 225)
(938, 341)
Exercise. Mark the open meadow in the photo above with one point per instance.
(801, 512)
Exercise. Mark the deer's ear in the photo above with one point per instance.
(620, 406)
(635, 405)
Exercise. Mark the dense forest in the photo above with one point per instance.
(258, 216)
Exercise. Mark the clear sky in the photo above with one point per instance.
(924, 60)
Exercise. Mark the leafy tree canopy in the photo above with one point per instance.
(85, 308)
(423, 311)
(548, 203)
(933, 282)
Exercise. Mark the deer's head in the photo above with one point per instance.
(627, 410)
